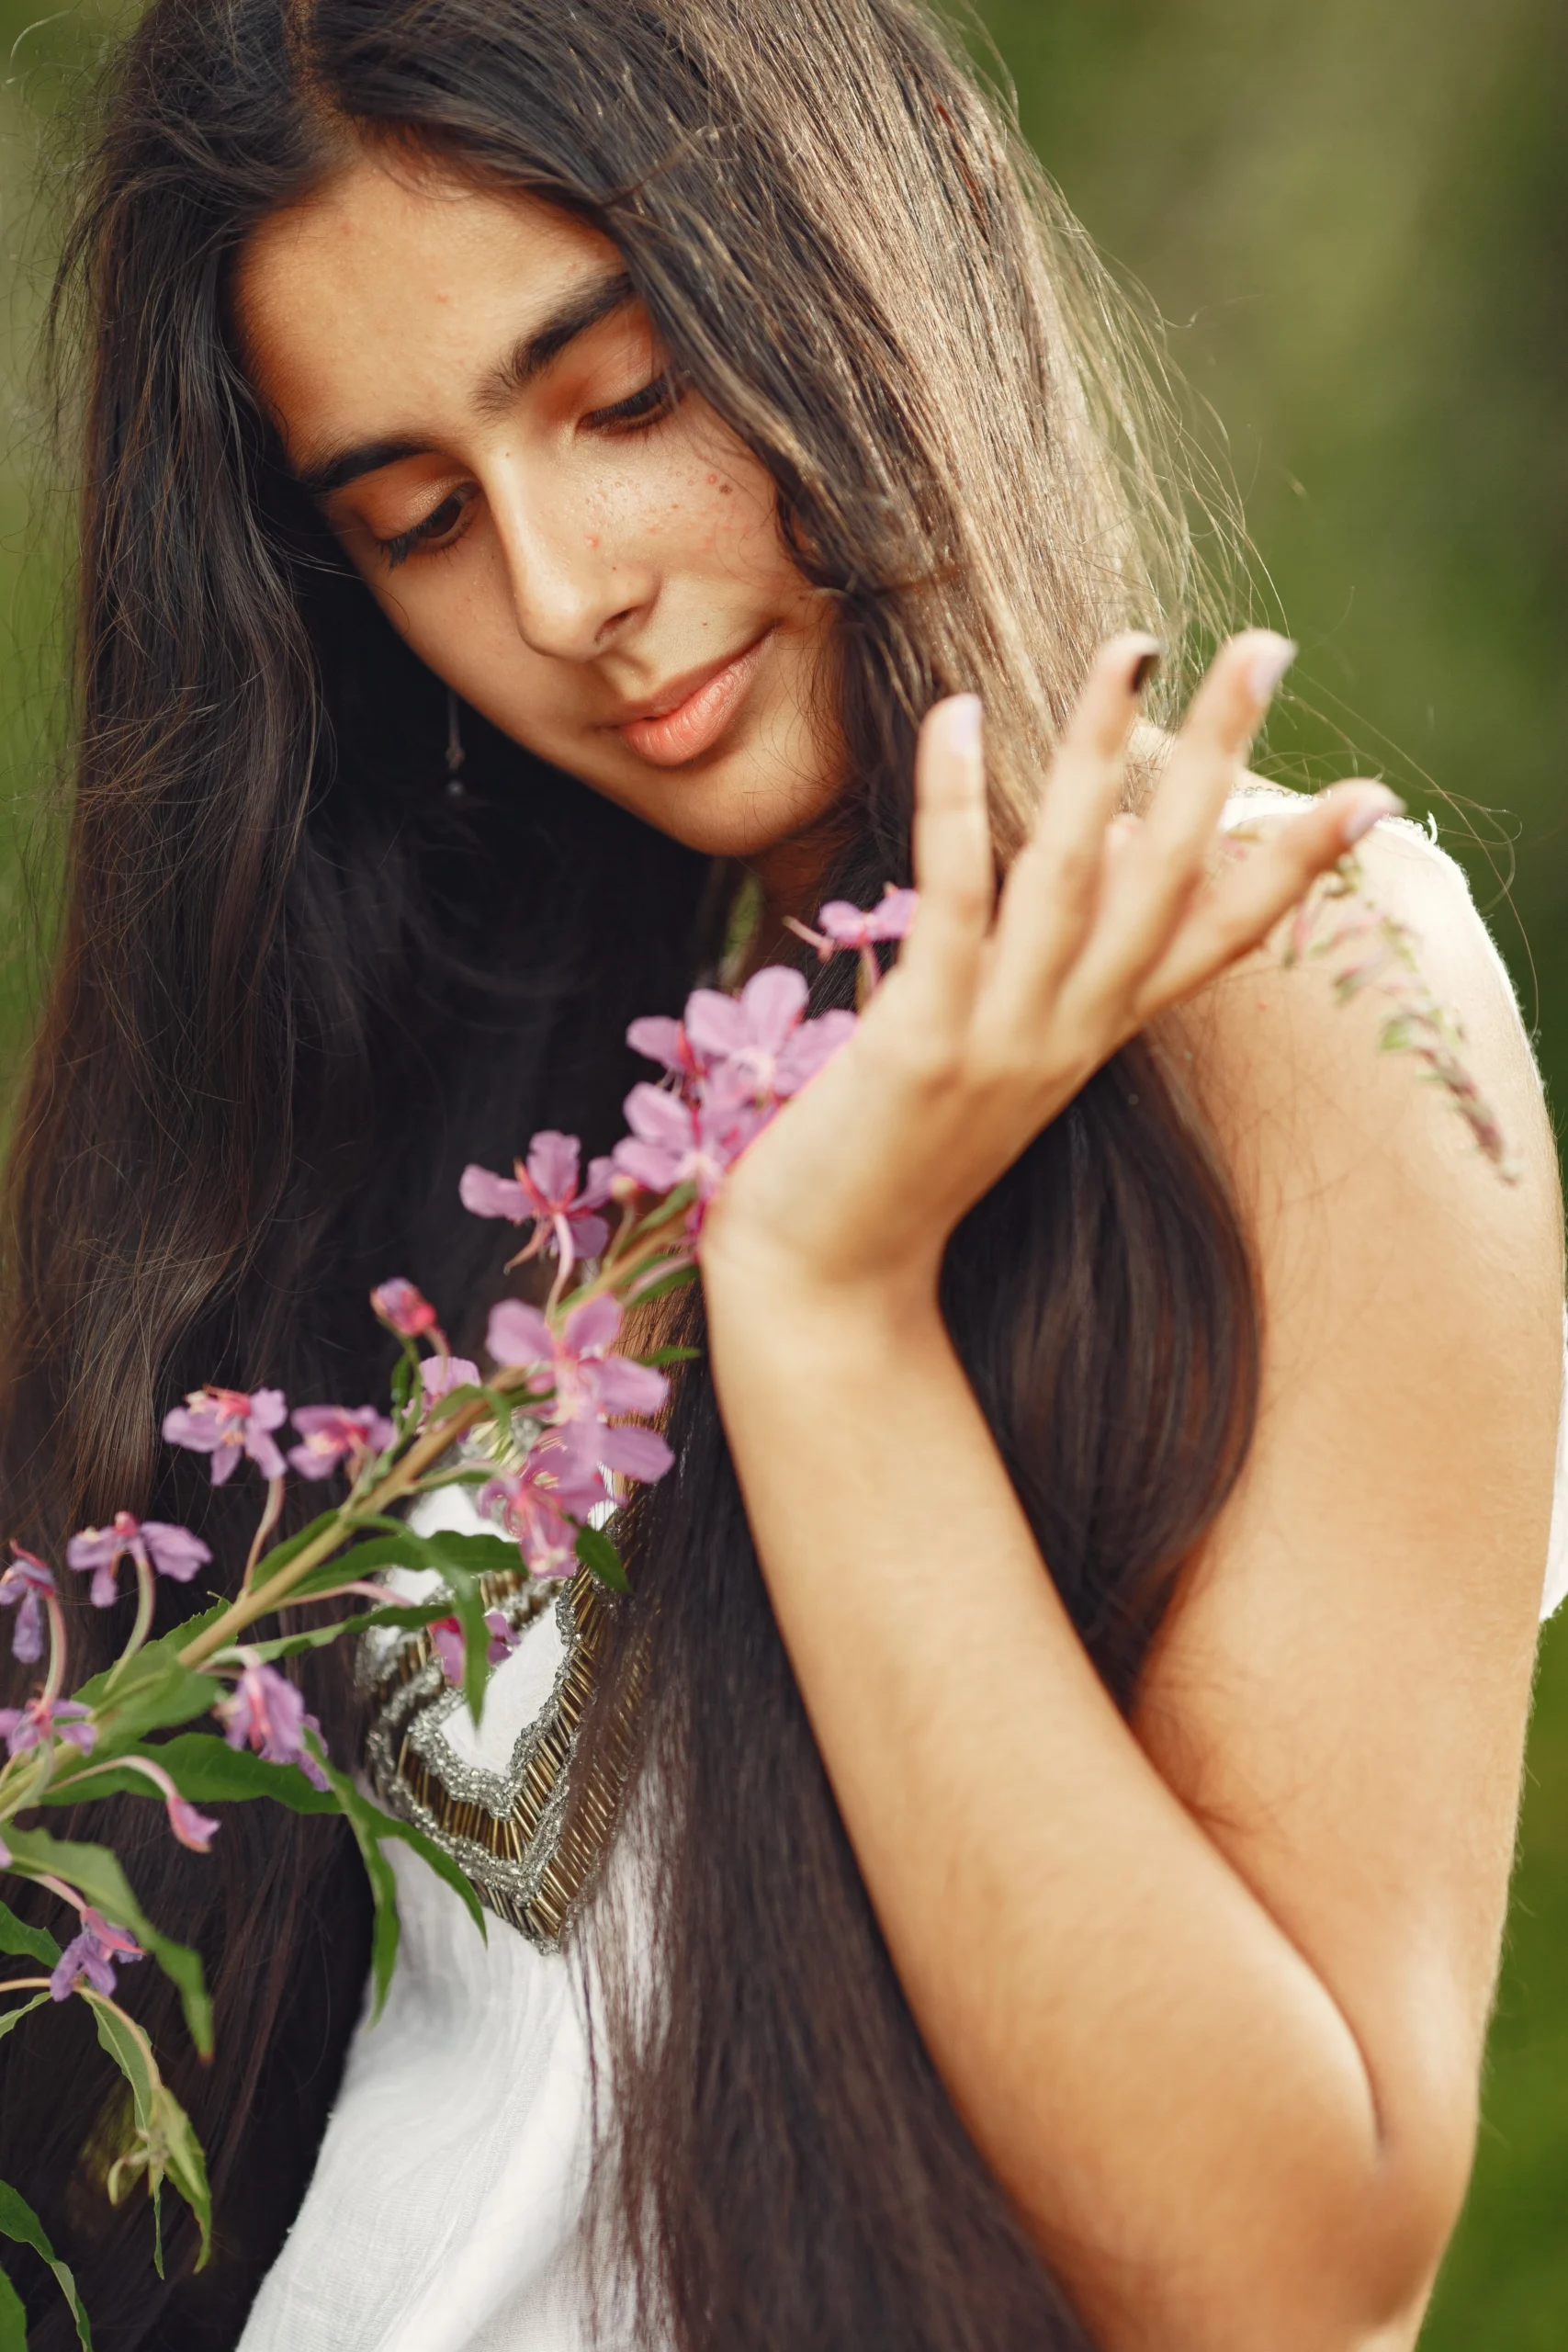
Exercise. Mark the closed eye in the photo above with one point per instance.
(439, 530)
(639, 409)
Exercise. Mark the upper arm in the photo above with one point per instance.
(1341, 1690)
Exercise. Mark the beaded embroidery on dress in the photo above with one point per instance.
(527, 1832)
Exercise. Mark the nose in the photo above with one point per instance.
(574, 590)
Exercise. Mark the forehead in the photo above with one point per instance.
(372, 304)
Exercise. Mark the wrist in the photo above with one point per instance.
(781, 1301)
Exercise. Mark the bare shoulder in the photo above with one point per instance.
(1307, 1102)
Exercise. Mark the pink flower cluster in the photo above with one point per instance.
(729, 1064)
(583, 1394)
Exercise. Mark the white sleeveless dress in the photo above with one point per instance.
(445, 2211)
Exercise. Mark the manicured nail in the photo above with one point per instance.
(1145, 665)
(1368, 809)
(966, 724)
(1268, 663)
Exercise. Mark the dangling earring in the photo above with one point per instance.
(456, 755)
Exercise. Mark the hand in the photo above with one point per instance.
(999, 1009)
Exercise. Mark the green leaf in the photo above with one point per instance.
(468, 1603)
(409, 1618)
(602, 1560)
(21, 2224)
(15, 2017)
(13, 2318)
(467, 1392)
(269, 1564)
(169, 2148)
(474, 1555)
(441, 1864)
(366, 1819)
(16, 1936)
(95, 1873)
(404, 1550)
(154, 1692)
(670, 1355)
(209, 1771)
(662, 1284)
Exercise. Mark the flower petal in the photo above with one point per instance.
(518, 1335)
(591, 1328)
(657, 1117)
(636, 1451)
(622, 1386)
(483, 1193)
(660, 1039)
(772, 1001)
(553, 1162)
(175, 1551)
(715, 1025)
(646, 1164)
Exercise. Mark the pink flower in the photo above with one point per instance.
(857, 927)
(403, 1308)
(335, 1433)
(559, 1476)
(173, 1551)
(447, 1640)
(543, 1193)
(225, 1423)
(93, 1954)
(674, 1142)
(756, 1047)
(24, 1586)
(587, 1384)
(29, 1726)
(440, 1374)
(660, 1039)
(192, 1828)
(265, 1710)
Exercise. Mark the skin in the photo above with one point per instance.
(1210, 1989)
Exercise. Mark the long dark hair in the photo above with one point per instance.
(299, 986)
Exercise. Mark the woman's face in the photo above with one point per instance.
(471, 391)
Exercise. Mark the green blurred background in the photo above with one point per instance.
(1355, 219)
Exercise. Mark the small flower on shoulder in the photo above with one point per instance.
(24, 1586)
(94, 1954)
(264, 1711)
(174, 1552)
(226, 1423)
(334, 1434)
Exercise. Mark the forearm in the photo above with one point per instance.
(1169, 2092)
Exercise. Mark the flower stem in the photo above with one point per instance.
(144, 1601)
(643, 1247)
(265, 1526)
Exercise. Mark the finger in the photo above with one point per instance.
(955, 867)
(1156, 881)
(1049, 898)
(1241, 907)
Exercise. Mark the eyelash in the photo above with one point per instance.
(637, 414)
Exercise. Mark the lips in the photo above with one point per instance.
(694, 712)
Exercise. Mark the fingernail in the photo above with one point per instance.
(1268, 663)
(1145, 665)
(967, 723)
(1368, 809)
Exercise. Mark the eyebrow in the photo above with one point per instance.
(587, 306)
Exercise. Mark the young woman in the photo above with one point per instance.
(547, 465)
